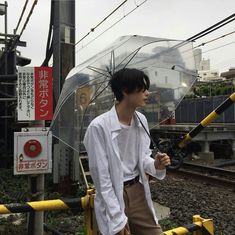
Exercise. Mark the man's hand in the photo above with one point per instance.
(125, 231)
(161, 161)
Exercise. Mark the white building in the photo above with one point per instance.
(208, 75)
(203, 66)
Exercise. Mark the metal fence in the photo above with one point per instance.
(194, 110)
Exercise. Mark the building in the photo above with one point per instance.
(205, 65)
(230, 74)
(208, 75)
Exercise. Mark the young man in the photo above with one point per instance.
(119, 158)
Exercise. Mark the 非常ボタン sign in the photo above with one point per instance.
(32, 152)
(35, 93)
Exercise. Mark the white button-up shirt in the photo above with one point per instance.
(107, 173)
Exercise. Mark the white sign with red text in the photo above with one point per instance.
(35, 93)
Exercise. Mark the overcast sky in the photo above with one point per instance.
(158, 18)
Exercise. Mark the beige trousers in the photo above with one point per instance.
(140, 218)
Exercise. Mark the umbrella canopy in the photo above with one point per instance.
(86, 92)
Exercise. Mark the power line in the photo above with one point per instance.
(215, 39)
(28, 17)
(212, 28)
(201, 34)
(207, 31)
(17, 37)
(215, 48)
(212, 40)
(112, 26)
(21, 16)
(102, 21)
(212, 49)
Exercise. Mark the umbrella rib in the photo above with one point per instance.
(92, 99)
(97, 70)
(135, 52)
(132, 57)
(69, 94)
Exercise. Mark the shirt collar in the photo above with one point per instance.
(115, 124)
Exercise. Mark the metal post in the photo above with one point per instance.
(63, 62)
(36, 219)
(39, 216)
(36, 190)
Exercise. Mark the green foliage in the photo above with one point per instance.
(202, 89)
(167, 224)
(81, 231)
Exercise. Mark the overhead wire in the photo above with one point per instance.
(21, 16)
(211, 28)
(28, 17)
(215, 48)
(212, 49)
(17, 37)
(201, 34)
(205, 32)
(12, 45)
(215, 39)
(101, 22)
(210, 41)
(116, 22)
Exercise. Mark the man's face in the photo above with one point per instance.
(137, 98)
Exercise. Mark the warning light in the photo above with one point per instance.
(32, 148)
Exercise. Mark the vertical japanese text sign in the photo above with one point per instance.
(35, 93)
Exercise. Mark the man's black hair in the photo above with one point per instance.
(128, 80)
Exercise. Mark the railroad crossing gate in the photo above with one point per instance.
(32, 152)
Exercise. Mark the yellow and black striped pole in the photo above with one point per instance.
(207, 120)
(198, 227)
(58, 204)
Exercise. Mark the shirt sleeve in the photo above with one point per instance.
(99, 168)
(149, 166)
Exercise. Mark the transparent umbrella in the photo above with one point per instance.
(86, 93)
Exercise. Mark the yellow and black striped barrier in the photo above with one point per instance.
(198, 227)
(47, 205)
(84, 204)
(207, 120)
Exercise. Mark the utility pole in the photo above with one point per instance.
(63, 62)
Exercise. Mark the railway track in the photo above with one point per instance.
(212, 175)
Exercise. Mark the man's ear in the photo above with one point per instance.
(124, 92)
